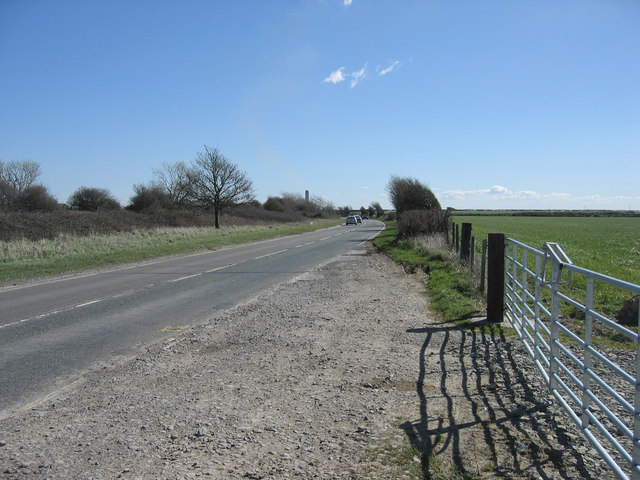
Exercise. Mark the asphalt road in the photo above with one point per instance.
(53, 330)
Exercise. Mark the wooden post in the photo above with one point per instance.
(495, 278)
(465, 242)
(457, 239)
(483, 265)
(453, 236)
(472, 253)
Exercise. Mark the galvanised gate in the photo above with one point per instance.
(597, 386)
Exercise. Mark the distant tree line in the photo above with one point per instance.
(211, 183)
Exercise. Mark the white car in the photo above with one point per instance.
(352, 220)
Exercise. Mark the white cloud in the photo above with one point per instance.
(383, 71)
(359, 75)
(347, 3)
(339, 76)
(356, 77)
(336, 77)
(499, 190)
(500, 197)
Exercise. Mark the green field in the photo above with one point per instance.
(608, 245)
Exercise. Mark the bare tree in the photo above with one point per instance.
(19, 174)
(218, 183)
(175, 180)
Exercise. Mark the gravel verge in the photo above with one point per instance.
(340, 373)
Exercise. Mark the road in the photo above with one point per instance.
(53, 330)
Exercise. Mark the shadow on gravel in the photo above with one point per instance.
(485, 364)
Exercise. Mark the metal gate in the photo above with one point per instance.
(598, 386)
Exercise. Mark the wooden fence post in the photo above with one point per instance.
(472, 253)
(453, 235)
(483, 266)
(495, 278)
(465, 242)
(457, 239)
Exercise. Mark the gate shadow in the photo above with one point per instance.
(480, 350)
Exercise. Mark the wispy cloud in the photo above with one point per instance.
(336, 77)
(347, 3)
(357, 77)
(383, 71)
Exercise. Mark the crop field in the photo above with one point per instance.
(608, 245)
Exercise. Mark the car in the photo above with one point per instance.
(351, 220)
(358, 218)
(365, 217)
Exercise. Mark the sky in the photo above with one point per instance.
(493, 104)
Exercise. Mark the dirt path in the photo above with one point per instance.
(342, 373)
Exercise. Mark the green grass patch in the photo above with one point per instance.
(28, 259)
(607, 245)
(451, 290)
(402, 461)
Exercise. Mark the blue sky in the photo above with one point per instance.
(492, 104)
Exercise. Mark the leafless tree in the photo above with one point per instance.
(19, 174)
(175, 180)
(218, 183)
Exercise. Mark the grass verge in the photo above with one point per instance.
(452, 293)
(29, 259)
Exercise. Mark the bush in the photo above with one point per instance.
(93, 199)
(275, 204)
(149, 198)
(35, 198)
(413, 223)
(293, 204)
(8, 195)
(410, 194)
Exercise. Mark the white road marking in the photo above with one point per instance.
(269, 254)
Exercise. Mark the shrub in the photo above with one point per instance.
(149, 198)
(93, 199)
(8, 194)
(275, 204)
(413, 223)
(35, 198)
(293, 204)
(410, 194)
